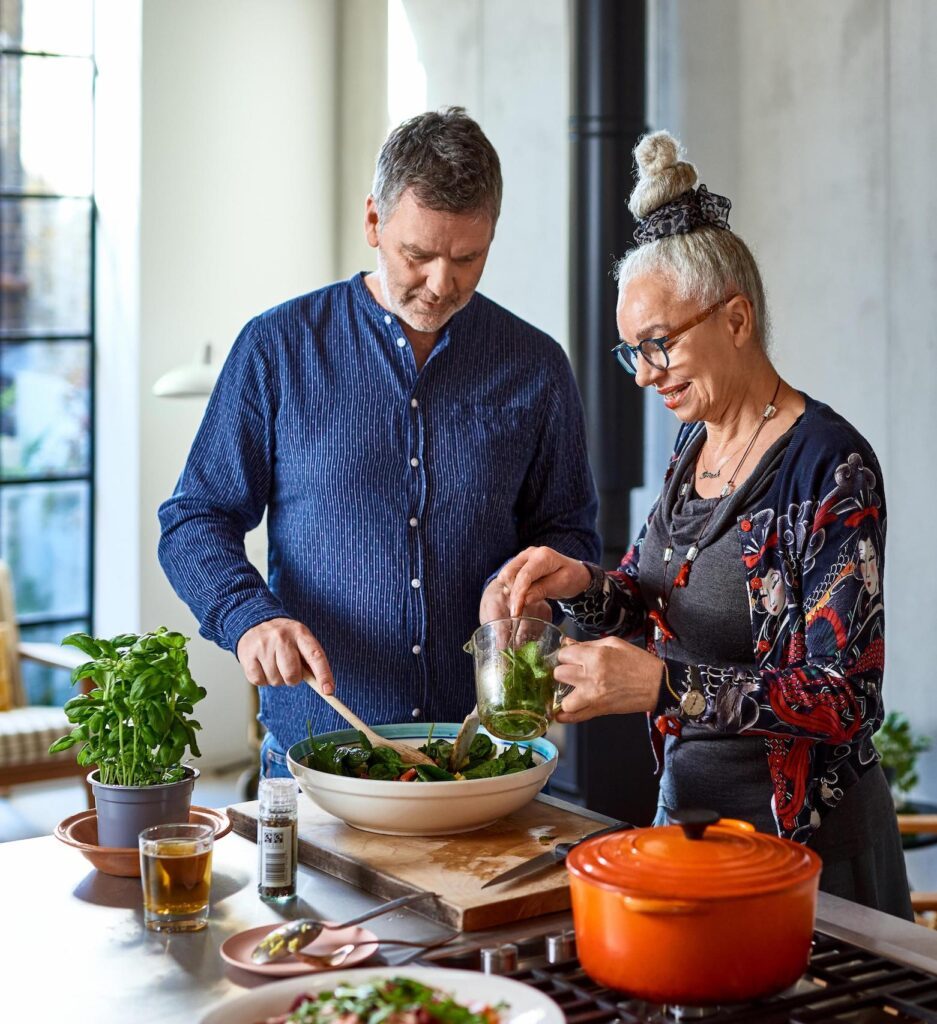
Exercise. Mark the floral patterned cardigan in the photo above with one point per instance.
(813, 553)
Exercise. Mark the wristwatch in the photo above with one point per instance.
(693, 701)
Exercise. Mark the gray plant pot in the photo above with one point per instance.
(125, 811)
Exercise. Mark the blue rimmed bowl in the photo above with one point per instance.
(421, 808)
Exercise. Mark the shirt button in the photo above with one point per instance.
(415, 584)
(414, 462)
(401, 342)
(414, 403)
(386, 319)
(414, 521)
(417, 649)
(415, 713)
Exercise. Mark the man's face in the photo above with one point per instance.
(429, 262)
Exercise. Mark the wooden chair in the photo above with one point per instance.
(924, 904)
(26, 732)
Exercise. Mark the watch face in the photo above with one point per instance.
(693, 703)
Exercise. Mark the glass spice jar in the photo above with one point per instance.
(277, 840)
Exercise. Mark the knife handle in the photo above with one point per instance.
(561, 850)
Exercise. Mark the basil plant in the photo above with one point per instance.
(135, 723)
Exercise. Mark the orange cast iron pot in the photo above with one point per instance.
(702, 913)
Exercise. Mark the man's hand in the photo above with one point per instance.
(495, 605)
(282, 651)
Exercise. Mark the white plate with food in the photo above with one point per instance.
(357, 993)
(425, 808)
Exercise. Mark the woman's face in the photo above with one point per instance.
(772, 592)
(702, 376)
(868, 567)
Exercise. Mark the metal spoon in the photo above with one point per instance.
(336, 957)
(292, 936)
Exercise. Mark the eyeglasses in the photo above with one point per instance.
(654, 350)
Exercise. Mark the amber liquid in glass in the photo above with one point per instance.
(176, 879)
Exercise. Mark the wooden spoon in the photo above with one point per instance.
(408, 754)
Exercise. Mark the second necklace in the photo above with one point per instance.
(662, 631)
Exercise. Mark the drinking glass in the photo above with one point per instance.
(175, 870)
(514, 663)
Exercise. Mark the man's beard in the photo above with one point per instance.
(403, 305)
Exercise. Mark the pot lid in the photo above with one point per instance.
(702, 857)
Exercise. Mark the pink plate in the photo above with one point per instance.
(237, 950)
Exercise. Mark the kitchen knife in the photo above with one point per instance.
(542, 861)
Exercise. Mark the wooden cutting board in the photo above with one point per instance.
(454, 867)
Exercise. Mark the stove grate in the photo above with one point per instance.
(843, 984)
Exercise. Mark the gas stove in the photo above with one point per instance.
(843, 983)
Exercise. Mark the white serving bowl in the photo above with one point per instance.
(421, 808)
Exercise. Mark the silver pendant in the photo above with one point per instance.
(668, 555)
(692, 553)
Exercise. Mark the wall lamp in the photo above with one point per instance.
(192, 380)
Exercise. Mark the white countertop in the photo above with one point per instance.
(84, 932)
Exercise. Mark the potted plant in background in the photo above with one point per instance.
(135, 727)
(899, 748)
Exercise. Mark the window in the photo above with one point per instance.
(47, 320)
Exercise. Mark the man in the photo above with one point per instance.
(405, 436)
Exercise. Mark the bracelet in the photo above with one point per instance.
(596, 581)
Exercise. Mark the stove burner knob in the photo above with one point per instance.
(499, 959)
(508, 957)
(561, 947)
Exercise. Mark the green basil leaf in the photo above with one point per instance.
(63, 743)
(84, 643)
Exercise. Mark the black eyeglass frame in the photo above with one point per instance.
(623, 350)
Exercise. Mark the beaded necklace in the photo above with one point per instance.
(662, 630)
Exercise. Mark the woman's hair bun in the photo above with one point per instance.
(662, 176)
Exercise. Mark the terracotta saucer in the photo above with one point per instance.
(81, 832)
(237, 950)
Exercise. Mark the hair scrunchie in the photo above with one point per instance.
(697, 207)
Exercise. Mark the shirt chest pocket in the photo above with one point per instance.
(483, 448)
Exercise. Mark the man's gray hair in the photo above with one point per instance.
(445, 159)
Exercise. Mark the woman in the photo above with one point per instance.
(756, 578)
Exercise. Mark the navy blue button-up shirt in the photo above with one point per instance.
(391, 494)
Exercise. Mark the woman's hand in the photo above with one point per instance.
(540, 573)
(494, 604)
(610, 676)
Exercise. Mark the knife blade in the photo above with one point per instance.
(557, 855)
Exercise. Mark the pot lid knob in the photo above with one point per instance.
(694, 822)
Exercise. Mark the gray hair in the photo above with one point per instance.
(446, 159)
(705, 264)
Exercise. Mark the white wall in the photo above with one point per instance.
(236, 187)
(117, 370)
(817, 121)
(508, 64)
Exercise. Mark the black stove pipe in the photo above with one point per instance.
(608, 118)
(608, 763)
